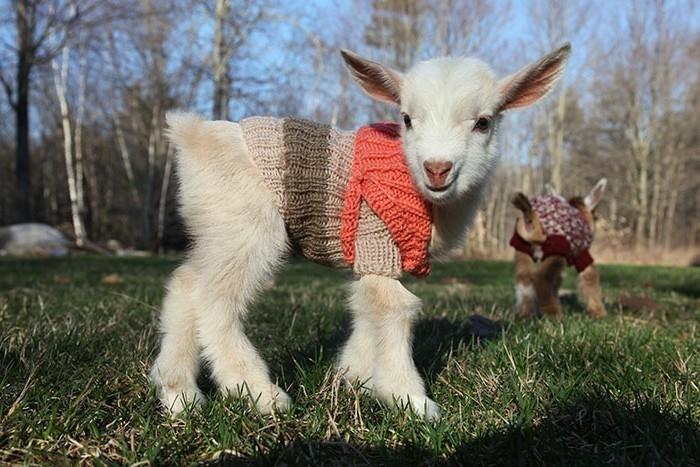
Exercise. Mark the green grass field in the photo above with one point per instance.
(74, 354)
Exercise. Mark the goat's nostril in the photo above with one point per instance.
(437, 168)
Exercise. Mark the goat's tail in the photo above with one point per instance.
(199, 139)
(184, 129)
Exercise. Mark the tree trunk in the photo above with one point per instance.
(221, 70)
(153, 143)
(24, 66)
(556, 139)
(80, 114)
(163, 202)
(126, 160)
(60, 81)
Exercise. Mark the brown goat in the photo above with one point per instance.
(550, 233)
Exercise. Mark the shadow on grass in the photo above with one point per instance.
(596, 430)
(690, 291)
(435, 338)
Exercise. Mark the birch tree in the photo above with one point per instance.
(74, 168)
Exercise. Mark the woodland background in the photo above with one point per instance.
(87, 84)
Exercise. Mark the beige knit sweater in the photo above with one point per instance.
(307, 166)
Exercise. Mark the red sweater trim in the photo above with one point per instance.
(380, 176)
(554, 245)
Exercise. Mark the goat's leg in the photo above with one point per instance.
(239, 240)
(589, 284)
(547, 277)
(236, 366)
(234, 277)
(383, 342)
(357, 357)
(174, 373)
(525, 299)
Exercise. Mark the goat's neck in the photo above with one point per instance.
(451, 221)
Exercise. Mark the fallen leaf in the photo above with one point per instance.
(112, 279)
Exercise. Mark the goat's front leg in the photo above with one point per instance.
(525, 301)
(589, 284)
(547, 280)
(379, 350)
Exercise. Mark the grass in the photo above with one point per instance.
(74, 354)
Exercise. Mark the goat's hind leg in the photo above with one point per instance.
(239, 241)
(235, 364)
(235, 266)
(174, 373)
(589, 284)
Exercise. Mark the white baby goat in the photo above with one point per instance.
(451, 109)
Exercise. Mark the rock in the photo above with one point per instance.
(33, 239)
(638, 303)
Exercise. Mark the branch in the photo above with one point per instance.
(9, 91)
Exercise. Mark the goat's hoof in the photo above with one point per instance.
(176, 395)
(597, 312)
(422, 406)
(273, 400)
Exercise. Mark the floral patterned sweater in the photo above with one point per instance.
(566, 230)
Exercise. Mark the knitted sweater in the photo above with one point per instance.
(347, 198)
(567, 232)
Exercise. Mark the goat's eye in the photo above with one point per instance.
(407, 121)
(482, 124)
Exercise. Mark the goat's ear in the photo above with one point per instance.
(534, 81)
(551, 191)
(593, 198)
(377, 80)
(520, 201)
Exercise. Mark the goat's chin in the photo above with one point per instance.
(442, 197)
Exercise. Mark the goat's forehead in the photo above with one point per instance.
(468, 83)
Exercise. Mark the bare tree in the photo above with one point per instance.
(73, 165)
(220, 63)
(36, 21)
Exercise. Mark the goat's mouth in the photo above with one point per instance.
(439, 189)
(439, 195)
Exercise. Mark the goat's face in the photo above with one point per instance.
(450, 116)
(451, 109)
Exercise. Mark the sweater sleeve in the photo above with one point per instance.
(376, 251)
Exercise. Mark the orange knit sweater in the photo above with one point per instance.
(380, 176)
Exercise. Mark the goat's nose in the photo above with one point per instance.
(437, 172)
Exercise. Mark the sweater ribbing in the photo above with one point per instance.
(381, 178)
(307, 166)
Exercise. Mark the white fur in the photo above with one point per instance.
(444, 97)
(239, 241)
(239, 238)
(524, 292)
(378, 352)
